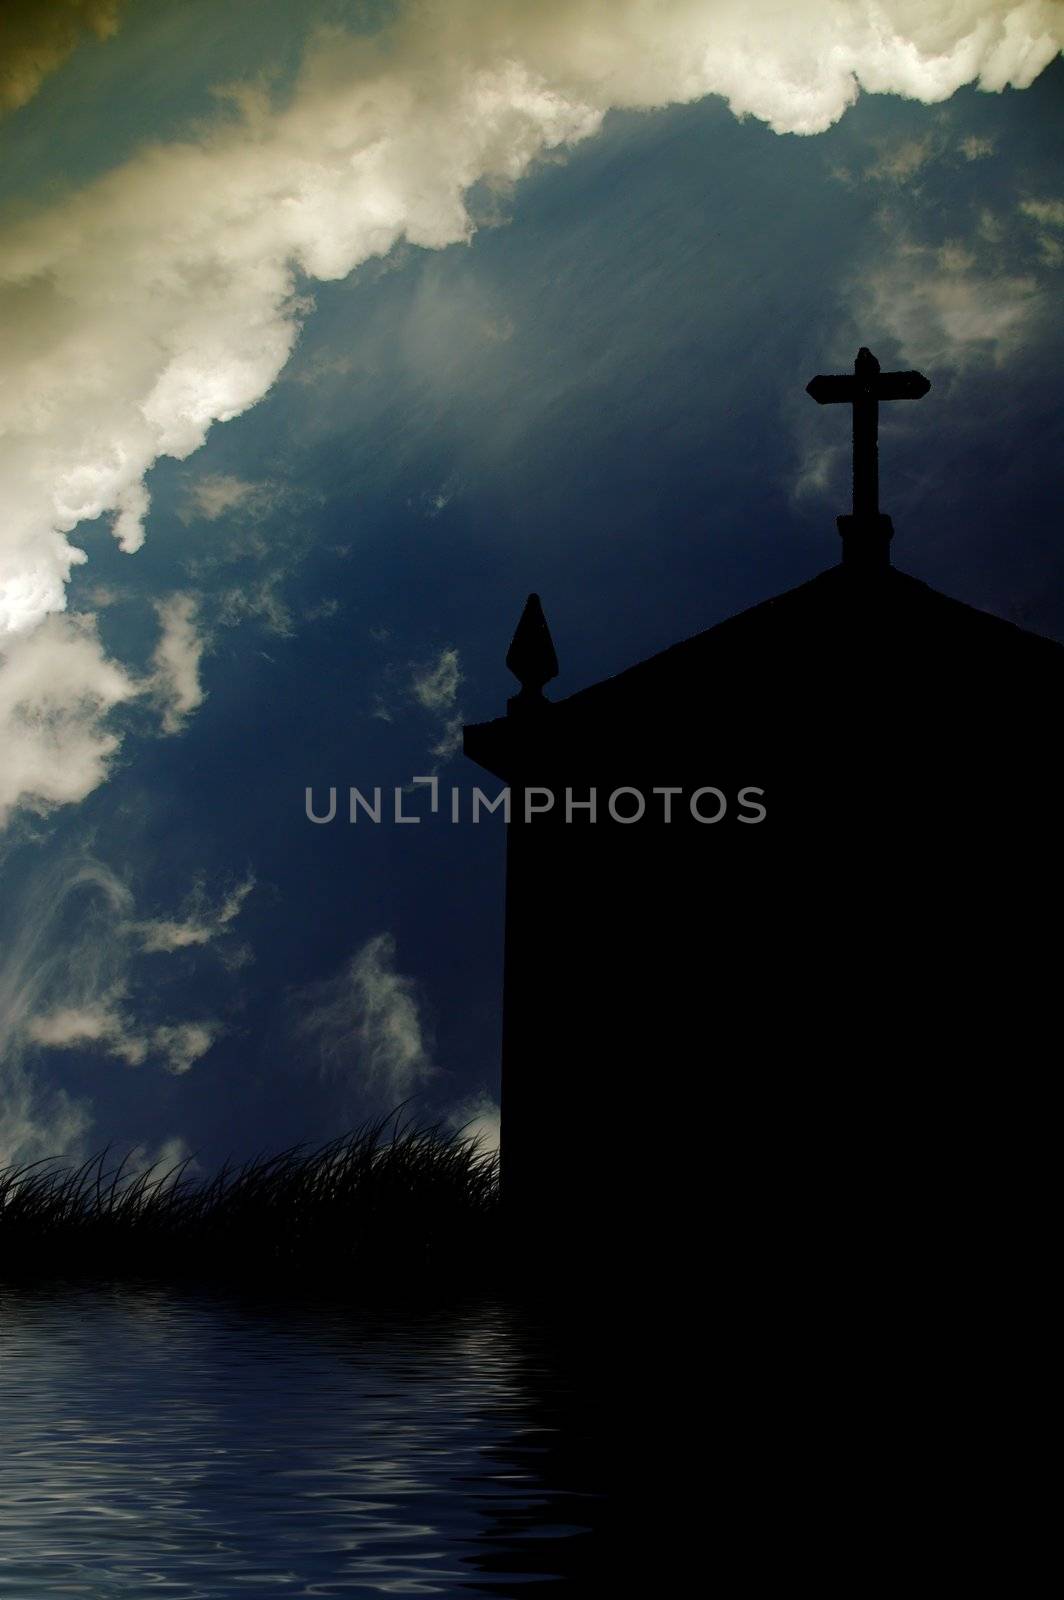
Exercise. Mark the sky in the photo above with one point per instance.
(331, 330)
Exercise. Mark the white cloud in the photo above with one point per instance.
(37, 1120)
(261, 600)
(201, 922)
(221, 494)
(1049, 215)
(899, 162)
(432, 686)
(821, 466)
(161, 298)
(1050, 212)
(435, 686)
(249, 512)
(366, 1024)
(174, 683)
(477, 1117)
(182, 1044)
(55, 957)
(945, 313)
(956, 303)
(323, 611)
(990, 228)
(66, 982)
(435, 501)
(168, 1162)
(450, 740)
(57, 687)
(97, 1022)
(104, 1024)
(964, 305)
(955, 257)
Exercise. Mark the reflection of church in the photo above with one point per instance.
(828, 1013)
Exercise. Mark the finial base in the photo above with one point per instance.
(527, 701)
(866, 540)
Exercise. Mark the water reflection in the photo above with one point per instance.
(212, 1444)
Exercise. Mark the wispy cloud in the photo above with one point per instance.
(435, 685)
(1048, 215)
(101, 1022)
(105, 1026)
(963, 305)
(261, 542)
(365, 1025)
(900, 161)
(322, 610)
(182, 1044)
(175, 681)
(221, 494)
(821, 468)
(948, 310)
(199, 925)
(167, 1160)
(431, 687)
(435, 501)
(477, 1117)
(435, 688)
(945, 316)
(1050, 212)
(55, 956)
(69, 980)
(261, 601)
(975, 148)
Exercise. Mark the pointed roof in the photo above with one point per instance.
(849, 643)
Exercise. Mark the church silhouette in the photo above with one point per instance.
(808, 990)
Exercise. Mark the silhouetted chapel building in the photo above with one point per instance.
(821, 986)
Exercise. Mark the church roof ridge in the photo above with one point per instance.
(841, 583)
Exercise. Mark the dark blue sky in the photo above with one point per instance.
(601, 398)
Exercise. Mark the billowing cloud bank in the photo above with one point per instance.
(163, 298)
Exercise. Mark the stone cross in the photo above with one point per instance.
(863, 391)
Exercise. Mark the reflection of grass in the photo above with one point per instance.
(398, 1198)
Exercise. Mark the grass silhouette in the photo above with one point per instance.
(401, 1199)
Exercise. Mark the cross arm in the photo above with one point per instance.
(901, 386)
(829, 390)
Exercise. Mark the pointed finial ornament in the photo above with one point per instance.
(531, 656)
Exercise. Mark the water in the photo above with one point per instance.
(746, 1434)
(204, 1445)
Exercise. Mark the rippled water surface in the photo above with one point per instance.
(199, 1444)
